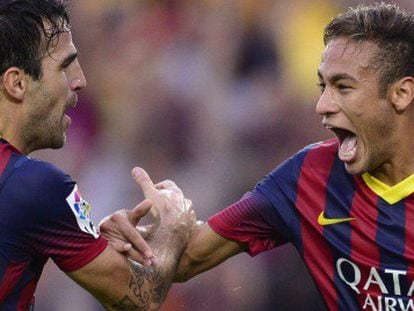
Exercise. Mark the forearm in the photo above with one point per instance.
(205, 250)
(148, 286)
(168, 247)
(121, 284)
(147, 232)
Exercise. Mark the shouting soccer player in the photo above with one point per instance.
(42, 213)
(347, 204)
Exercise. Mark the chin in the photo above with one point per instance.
(57, 142)
(354, 169)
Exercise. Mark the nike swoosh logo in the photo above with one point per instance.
(331, 221)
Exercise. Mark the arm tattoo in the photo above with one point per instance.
(124, 304)
(148, 286)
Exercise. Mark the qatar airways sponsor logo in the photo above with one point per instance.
(365, 284)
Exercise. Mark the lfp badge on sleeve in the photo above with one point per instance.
(81, 209)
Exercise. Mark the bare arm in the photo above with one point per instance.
(121, 284)
(205, 250)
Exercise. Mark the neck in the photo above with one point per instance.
(15, 143)
(397, 149)
(391, 174)
(13, 137)
(400, 162)
(11, 125)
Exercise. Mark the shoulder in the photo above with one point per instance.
(316, 155)
(38, 183)
(41, 175)
(328, 147)
(319, 159)
(312, 158)
(37, 169)
(325, 149)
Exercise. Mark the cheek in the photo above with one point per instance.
(379, 133)
(359, 108)
(58, 85)
(60, 90)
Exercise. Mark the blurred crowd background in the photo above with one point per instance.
(210, 93)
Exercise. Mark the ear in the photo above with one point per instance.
(15, 83)
(402, 93)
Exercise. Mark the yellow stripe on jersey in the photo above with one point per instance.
(389, 194)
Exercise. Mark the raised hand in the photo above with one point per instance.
(122, 224)
(166, 202)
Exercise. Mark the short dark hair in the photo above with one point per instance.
(28, 28)
(390, 28)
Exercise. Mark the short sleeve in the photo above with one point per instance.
(251, 221)
(263, 217)
(52, 217)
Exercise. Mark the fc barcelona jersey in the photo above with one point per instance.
(355, 234)
(42, 215)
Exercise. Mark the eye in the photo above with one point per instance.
(321, 86)
(64, 66)
(343, 87)
(69, 60)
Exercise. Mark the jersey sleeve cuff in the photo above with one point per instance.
(85, 257)
(255, 247)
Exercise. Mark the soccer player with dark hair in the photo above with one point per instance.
(346, 204)
(42, 213)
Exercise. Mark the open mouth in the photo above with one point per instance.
(348, 143)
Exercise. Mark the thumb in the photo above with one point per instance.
(139, 211)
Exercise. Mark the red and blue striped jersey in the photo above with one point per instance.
(42, 215)
(354, 233)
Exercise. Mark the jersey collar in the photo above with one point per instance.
(11, 147)
(389, 194)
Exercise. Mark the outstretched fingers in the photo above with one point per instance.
(119, 229)
(144, 181)
(130, 233)
(139, 211)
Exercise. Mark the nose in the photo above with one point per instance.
(79, 81)
(326, 103)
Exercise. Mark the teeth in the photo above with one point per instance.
(349, 152)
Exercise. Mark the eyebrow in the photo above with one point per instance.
(337, 77)
(68, 60)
